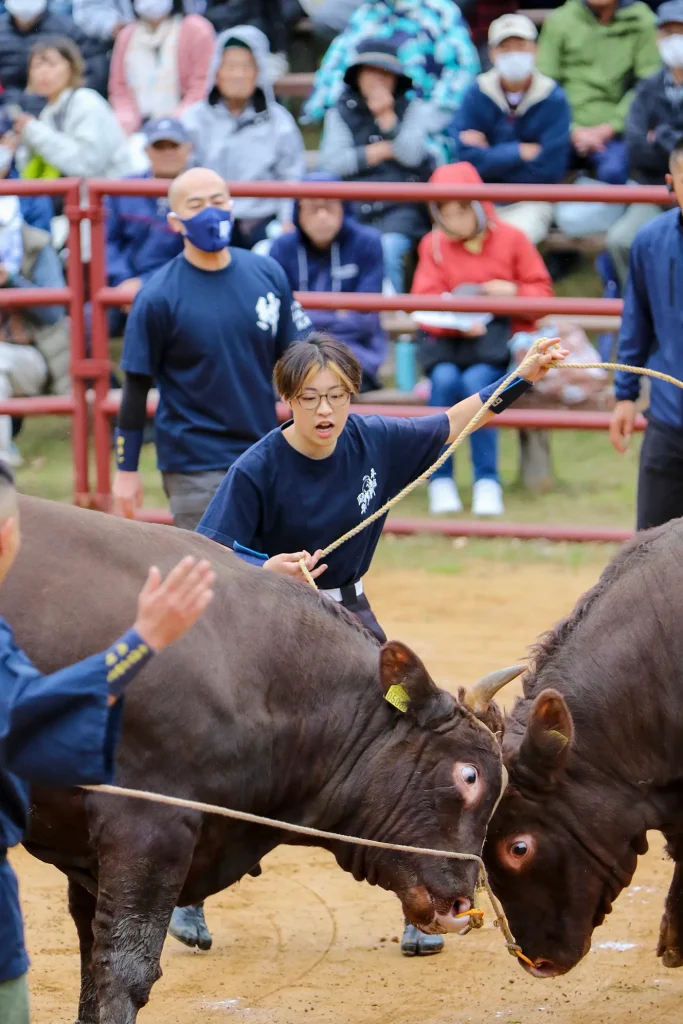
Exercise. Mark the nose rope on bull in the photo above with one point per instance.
(476, 916)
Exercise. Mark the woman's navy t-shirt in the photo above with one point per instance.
(274, 499)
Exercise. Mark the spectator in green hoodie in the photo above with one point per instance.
(598, 51)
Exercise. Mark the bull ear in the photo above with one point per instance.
(408, 686)
(548, 737)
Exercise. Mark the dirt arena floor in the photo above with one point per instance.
(306, 943)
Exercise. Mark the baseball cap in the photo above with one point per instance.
(517, 26)
(166, 129)
(672, 11)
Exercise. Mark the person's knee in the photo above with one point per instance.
(446, 382)
(477, 377)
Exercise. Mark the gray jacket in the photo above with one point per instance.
(262, 144)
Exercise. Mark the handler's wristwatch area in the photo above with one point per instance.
(517, 387)
(124, 659)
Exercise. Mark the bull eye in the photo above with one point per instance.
(519, 848)
(469, 774)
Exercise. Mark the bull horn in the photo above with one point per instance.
(478, 697)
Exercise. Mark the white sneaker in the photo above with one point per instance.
(487, 498)
(443, 497)
(12, 456)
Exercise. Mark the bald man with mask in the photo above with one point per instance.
(206, 329)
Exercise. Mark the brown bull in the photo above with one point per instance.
(594, 750)
(273, 704)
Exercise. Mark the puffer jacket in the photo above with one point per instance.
(263, 143)
(15, 48)
(79, 135)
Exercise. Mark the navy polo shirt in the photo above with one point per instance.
(275, 500)
(210, 340)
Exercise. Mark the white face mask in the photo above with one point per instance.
(153, 10)
(671, 50)
(26, 10)
(515, 66)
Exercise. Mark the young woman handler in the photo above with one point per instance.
(306, 483)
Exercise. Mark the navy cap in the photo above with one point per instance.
(671, 11)
(166, 129)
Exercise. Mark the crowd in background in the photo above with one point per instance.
(408, 91)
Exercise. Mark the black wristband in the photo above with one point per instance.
(517, 387)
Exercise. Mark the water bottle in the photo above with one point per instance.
(406, 363)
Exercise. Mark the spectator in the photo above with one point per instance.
(650, 335)
(375, 133)
(331, 252)
(104, 19)
(470, 247)
(160, 63)
(77, 133)
(513, 125)
(597, 51)
(654, 125)
(265, 15)
(242, 132)
(26, 23)
(140, 239)
(208, 327)
(36, 211)
(34, 340)
(435, 52)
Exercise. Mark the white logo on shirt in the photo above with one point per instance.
(368, 492)
(301, 319)
(268, 312)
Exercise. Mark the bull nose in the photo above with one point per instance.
(457, 919)
(543, 968)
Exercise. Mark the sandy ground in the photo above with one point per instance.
(306, 943)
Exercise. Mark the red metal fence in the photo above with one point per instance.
(97, 366)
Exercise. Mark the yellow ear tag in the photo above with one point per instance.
(397, 696)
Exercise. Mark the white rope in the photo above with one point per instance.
(287, 826)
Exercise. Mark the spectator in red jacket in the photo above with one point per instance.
(471, 251)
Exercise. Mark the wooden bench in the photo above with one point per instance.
(537, 16)
(295, 85)
(396, 324)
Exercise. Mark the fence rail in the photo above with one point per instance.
(91, 413)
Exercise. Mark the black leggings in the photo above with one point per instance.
(360, 607)
(660, 476)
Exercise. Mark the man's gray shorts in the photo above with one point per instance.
(189, 495)
(14, 1001)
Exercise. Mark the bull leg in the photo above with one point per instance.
(143, 864)
(82, 909)
(670, 945)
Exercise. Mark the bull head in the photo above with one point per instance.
(479, 696)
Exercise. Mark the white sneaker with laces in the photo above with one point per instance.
(487, 498)
(443, 497)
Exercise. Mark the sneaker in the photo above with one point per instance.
(487, 498)
(443, 497)
(12, 456)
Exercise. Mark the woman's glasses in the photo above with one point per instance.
(312, 399)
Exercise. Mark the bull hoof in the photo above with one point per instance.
(256, 872)
(416, 943)
(189, 927)
(672, 957)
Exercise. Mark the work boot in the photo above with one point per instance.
(416, 943)
(189, 927)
